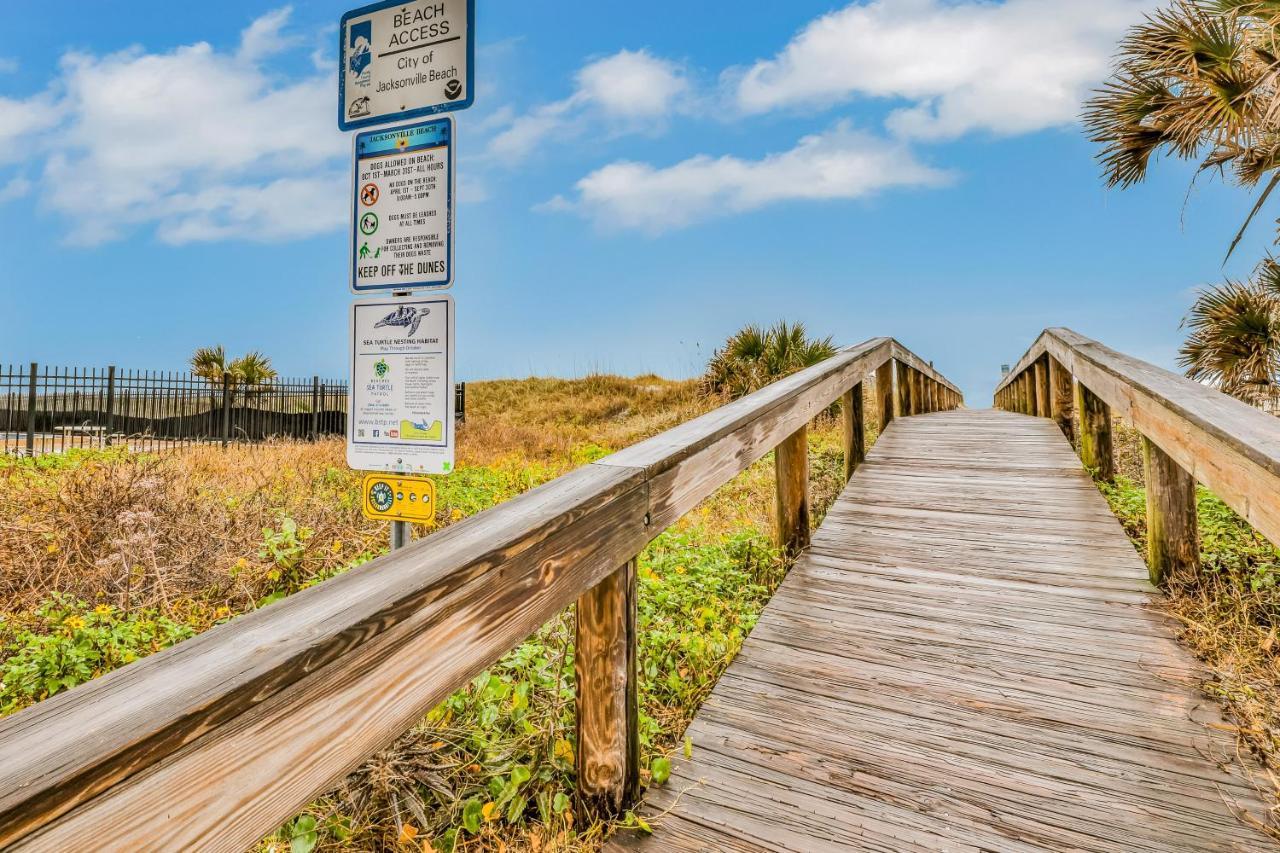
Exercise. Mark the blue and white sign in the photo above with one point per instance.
(405, 60)
(402, 208)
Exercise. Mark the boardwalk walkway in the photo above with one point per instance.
(965, 659)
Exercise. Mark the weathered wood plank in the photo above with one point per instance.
(854, 430)
(1173, 540)
(791, 504)
(968, 656)
(885, 395)
(608, 730)
(1095, 433)
(1229, 446)
(1062, 398)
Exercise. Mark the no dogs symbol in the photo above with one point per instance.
(369, 195)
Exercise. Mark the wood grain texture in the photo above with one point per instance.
(1062, 398)
(854, 430)
(214, 742)
(902, 387)
(966, 658)
(1229, 446)
(1041, 379)
(884, 394)
(608, 730)
(1173, 539)
(791, 502)
(1096, 449)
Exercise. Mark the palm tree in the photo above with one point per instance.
(753, 357)
(209, 363)
(1195, 80)
(254, 371)
(1235, 336)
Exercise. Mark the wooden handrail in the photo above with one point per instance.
(1210, 437)
(216, 741)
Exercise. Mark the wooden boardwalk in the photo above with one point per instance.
(965, 659)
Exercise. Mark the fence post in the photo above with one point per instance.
(31, 410)
(855, 442)
(903, 403)
(884, 391)
(1042, 387)
(1173, 540)
(1095, 433)
(315, 407)
(607, 711)
(1061, 404)
(791, 476)
(460, 402)
(226, 408)
(109, 422)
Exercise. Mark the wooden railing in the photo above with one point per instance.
(213, 743)
(1190, 432)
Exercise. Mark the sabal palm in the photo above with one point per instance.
(253, 368)
(1235, 336)
(1195, 80)
(753, 357)
(210, 363)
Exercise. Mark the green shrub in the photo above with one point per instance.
(68, 642)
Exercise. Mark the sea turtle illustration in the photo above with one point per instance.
(405, 315)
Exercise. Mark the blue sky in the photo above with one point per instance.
(637, 182)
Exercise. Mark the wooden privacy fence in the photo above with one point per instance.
(1190, 432)
(217, 741)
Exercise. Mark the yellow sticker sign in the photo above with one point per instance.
(392, 498)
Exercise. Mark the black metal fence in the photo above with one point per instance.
(48, 409)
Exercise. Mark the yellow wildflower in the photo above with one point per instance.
(455, 514)
(489, 810)
(103, 610)
(336, 546)
(222, 612)
(75, 623)
(52, 548)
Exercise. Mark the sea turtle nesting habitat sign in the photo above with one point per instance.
(401, 394)
(404, 60)
(402, 207)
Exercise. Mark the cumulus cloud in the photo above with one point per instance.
(842, 163)
(624, 89)
(195, 143)
(1011, 67)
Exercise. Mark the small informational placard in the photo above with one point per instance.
(400, 405)
(392, 498)
(402, 208)
(405, 60)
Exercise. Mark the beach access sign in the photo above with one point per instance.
(400, 404)
(405, 60)
(402, 208)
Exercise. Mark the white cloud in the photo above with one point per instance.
(265, 36)
(197, 143)
(20, 119)
(627, 90)
(1012, 67)
(840, 164)
(15, 188)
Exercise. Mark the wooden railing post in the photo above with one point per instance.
(1061, 400)
(1042, 387)
(855, 442)
(1033, 397)
(1095, 433)
(1173, 540)
(903, 387)
(884, 392)
(791, 466)
(608, 731)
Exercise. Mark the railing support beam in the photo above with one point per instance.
(608, 731)
(1043, 406)
(903, 384)
(884, 393)
(1095, 433)
(791, 465)
(855, 441)
(1061, 399)
(1173, 539)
